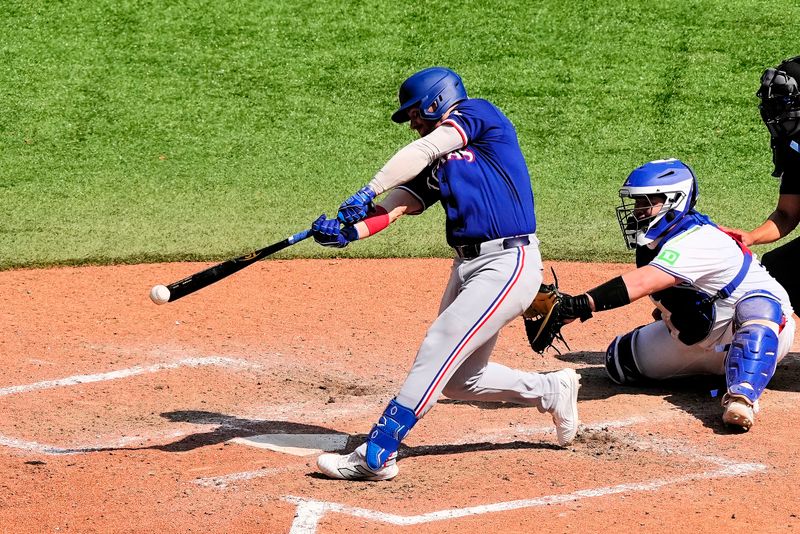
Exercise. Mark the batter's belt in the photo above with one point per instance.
(474, 250)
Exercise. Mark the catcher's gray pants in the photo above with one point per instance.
(483, 295)
(659, 356)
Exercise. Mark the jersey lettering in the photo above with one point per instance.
(464, 154)
(432, 180)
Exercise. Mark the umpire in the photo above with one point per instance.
(780, 111)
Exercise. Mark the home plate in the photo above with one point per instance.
(296, 444)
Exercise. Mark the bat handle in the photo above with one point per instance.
(299, 236)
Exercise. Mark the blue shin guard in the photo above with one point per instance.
(753, 353)
(385, 437)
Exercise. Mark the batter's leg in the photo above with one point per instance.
(495, 290)
(478, 379)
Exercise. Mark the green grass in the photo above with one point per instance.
(137, 131)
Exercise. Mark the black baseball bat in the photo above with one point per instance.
(197, 281)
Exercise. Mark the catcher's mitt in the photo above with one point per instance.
(549, 312)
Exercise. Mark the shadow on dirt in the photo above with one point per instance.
(406, 451)
(233, 427)
(229, 427)
(698, 396)
(693, 395)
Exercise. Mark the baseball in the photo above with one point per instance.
(159, 294)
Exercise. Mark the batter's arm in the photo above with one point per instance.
(414, 157)
(397, 203)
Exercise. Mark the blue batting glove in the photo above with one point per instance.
(356, 207)
(329, 232)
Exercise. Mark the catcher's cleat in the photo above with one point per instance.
(739, 411)
(565, 411)
(353, 466)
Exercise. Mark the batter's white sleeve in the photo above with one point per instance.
(414, 157)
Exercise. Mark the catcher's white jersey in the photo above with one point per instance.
(707, 259)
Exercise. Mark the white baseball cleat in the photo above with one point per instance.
(565, 411)
(739, 411)
(353, 466)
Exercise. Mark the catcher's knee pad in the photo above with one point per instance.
(758, 305)
(385, 437)
(753, 353)
(621, 365)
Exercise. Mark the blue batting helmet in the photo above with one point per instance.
(433, 90)
(670, 178)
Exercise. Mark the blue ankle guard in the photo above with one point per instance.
(385, 437)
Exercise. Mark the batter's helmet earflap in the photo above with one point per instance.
(433, 90)
(780, 99)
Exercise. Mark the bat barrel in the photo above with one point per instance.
(213, 274)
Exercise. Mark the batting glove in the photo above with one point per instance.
(356, 207)
(329, 232)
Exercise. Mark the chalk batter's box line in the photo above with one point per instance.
(310, 511)
(42, 448)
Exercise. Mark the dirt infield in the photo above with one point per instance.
(203, 415)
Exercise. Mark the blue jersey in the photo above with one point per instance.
(484, 187)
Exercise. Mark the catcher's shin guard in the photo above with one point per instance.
(621, 365)
(385, 437)
(753, 353)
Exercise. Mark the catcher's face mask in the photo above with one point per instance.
(668, 182)
(780, 100)
(637, 214)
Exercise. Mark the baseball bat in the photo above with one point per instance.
(162, 294)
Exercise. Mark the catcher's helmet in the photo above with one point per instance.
(434, 90)
(670, 178)
(780, 99)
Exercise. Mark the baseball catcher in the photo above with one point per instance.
(719, 311)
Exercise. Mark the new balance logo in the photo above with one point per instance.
(356, 472)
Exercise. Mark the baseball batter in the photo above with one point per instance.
(779, 96)
(468, 158)
(718, 310)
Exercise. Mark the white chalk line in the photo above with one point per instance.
(125, 373)
(498, 436)
(52, 450)
(222, 482)
(41, 448)
(310, 511)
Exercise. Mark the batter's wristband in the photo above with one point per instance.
(377, 220)
(612, 294)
